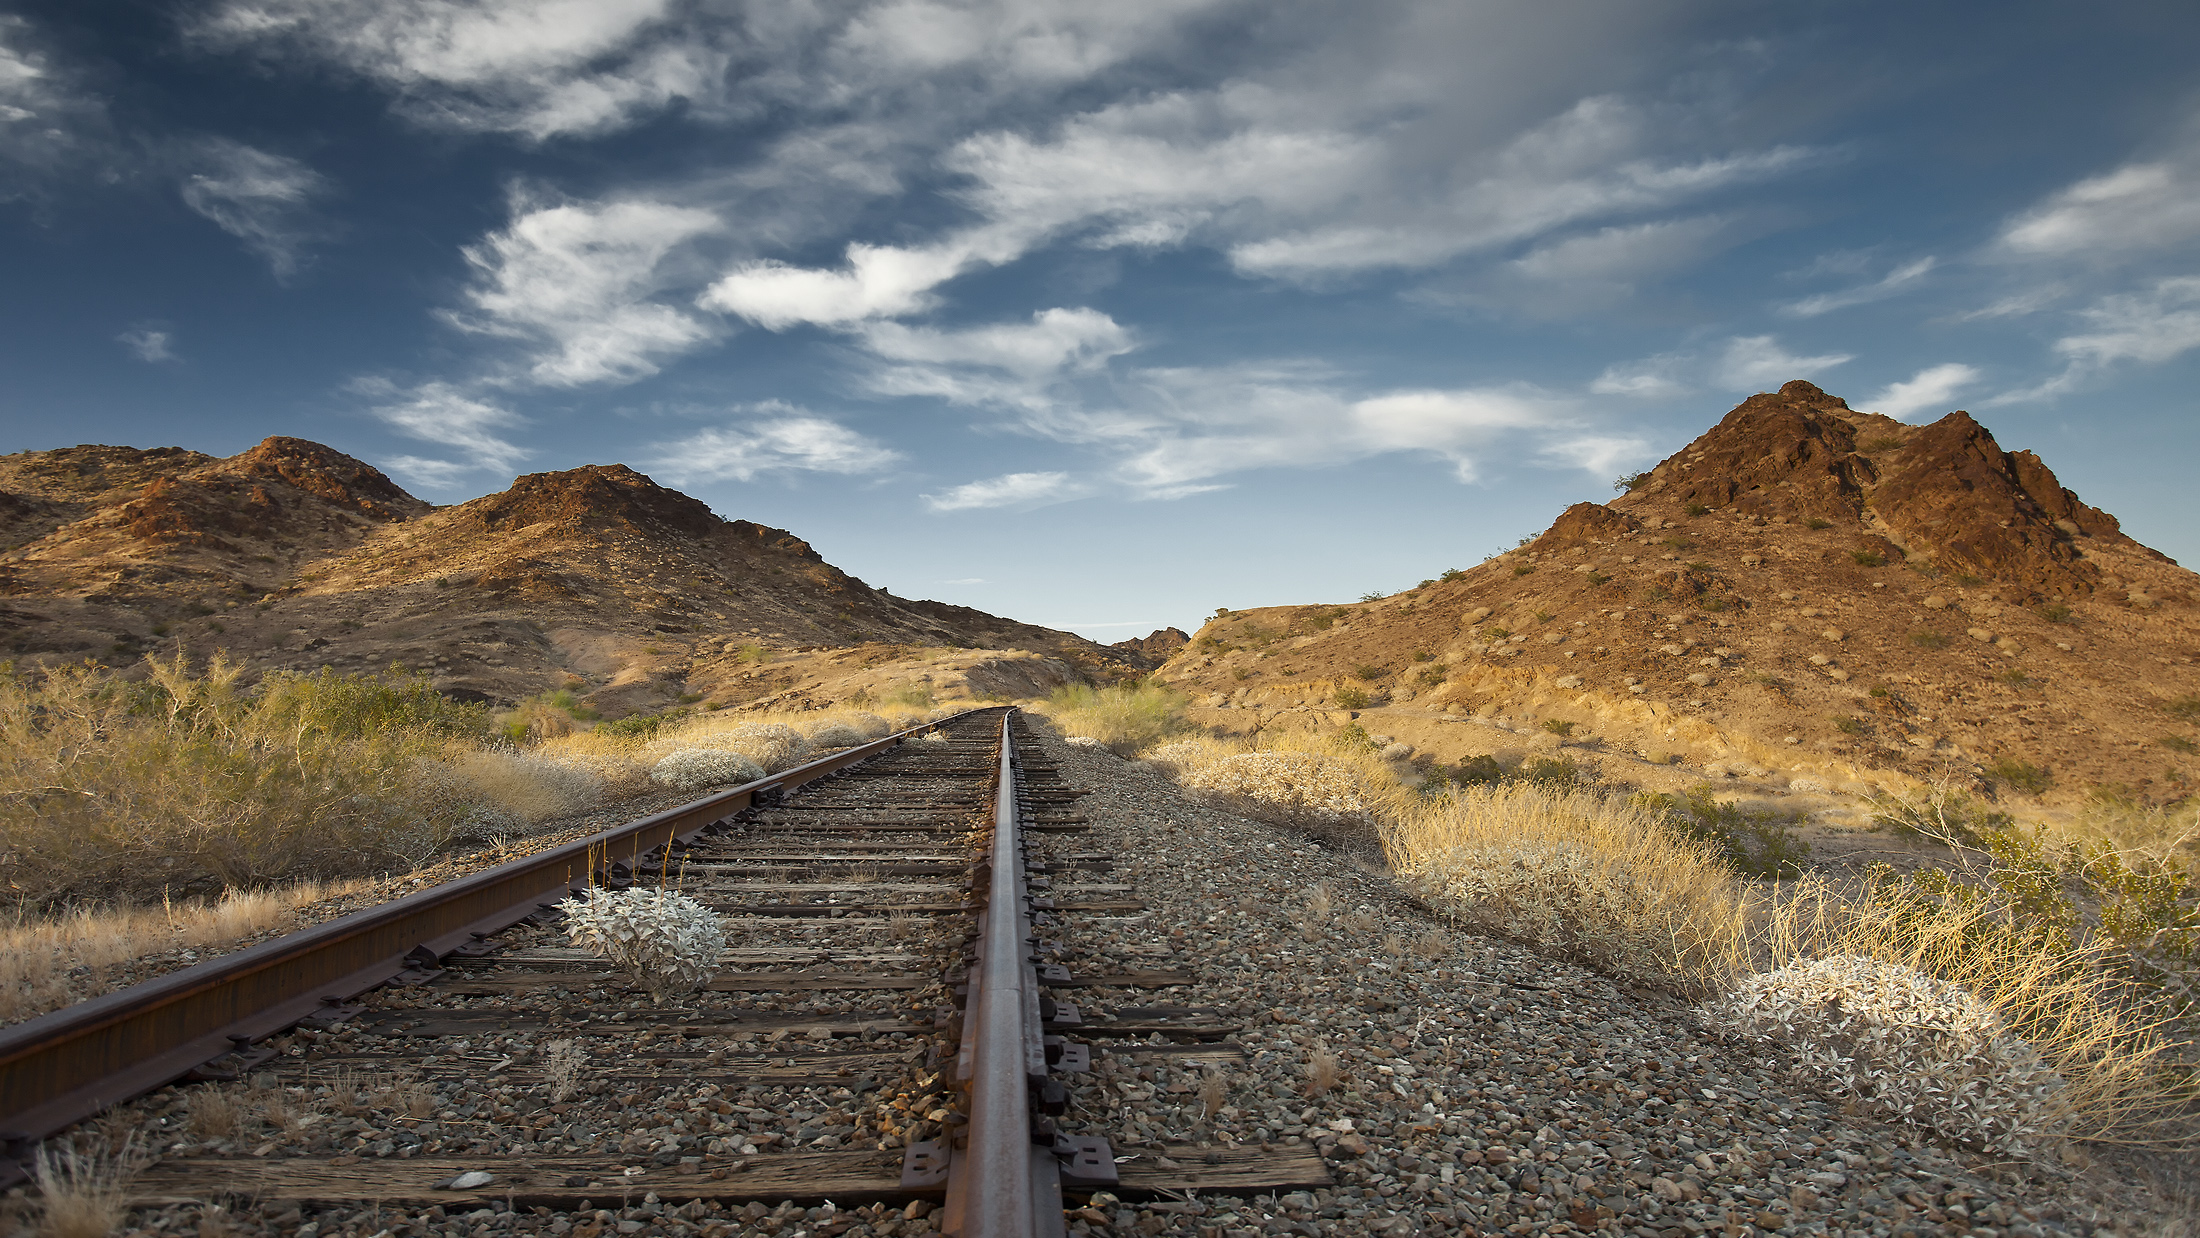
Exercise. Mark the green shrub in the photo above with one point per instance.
(1351, 697)
(1550, 773)
(1849, 726)
(1127, 719)
(2178, 743)
(1755, 843)
(1452, 574)
(1423, 655)
(1495, 633)
(1478, 771)
(1816, 522)
(1523, 569)
(643, 726)
(1373, 595)
(1627, 483)
(1557, 727)
(1926, 638)
(1697, 509)
(2185, 707)
(1868, 558)
(1368, 671)
(2056, 612)
(1432, 676)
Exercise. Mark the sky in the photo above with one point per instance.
(1102, 316)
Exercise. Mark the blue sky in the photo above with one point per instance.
(1101, 315)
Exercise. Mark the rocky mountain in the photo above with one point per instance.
(1806, 595)
(1157, 645)
(596, 579)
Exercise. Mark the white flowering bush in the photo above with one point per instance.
(1303, 789)
(1904, 1045)
(692, 769)
(664, 939)
(836, 735)
(769, 744)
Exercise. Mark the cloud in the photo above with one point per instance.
(1930, 388)
(2150, 327)
(1894, 283)
(786, 439)
(1653, 378)
(1054, 340)
(148, 345)
(574, 280)
(48, 120)
(1007, 490)
(538, 68)
(260, 198)
(880, 281)
(1757, 362)
(2137, 207)
(440, 413)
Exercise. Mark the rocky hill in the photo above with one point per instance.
(1157, 645)
(1805, 596)
(295, 556)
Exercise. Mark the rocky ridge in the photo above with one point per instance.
(1806, 596)
(294, 556)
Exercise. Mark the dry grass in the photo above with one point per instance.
(85, 1195)
(1323, 1071)
(49, 962)
(1578, 876)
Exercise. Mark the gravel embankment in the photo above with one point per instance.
(1481, 1089)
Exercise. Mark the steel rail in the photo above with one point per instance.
(65, 1066)
(1001, 1184)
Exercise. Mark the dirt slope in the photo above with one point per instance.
(292, 555)
(1806, 593)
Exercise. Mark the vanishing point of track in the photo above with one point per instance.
(884, 1027)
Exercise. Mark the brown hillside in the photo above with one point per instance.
(1157, 645)
(294, 556)
(1806, 592)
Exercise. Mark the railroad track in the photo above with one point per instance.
(893, 1026)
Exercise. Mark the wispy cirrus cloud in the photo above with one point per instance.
(441, 413)
(261, 198)
(1896, 282)
(772, 437)
(1007, 490)
(2149, 327)
(149, 345)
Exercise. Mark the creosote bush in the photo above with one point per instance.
(1125, 719)
(661, 938)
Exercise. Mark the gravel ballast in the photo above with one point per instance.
(1480, 1088)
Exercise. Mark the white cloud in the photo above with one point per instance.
(260, 198)
(1757, 362)
(539, 68)
(1929, 389)
(2140, 206)
(575, 281)
(1623, 254)
(784, 439)
(441, 413)
(1894, 283)
(148, 345)
(2151, 327)
(1054, 340)
(1652, 378)
(47, 119)
(880, 281)
(1007, 490)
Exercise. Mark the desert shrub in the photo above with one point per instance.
(1904, 1046)
(661, 938)
(1552, 773)
(692, 769)
(2019, 775)
(1478, 771)
(1868, 558)
(868, 725)
(1576, 875)
(772, 745)
(1558, 727)
(184, 782)
(1754, 843)
(1306, 790)
(1697, 509)
(1926, 638)
(837, 735)
(1351, 696)
(2178, 743)
(1451, 574)
(1816, 522)
(1629, 482)
(2056, 612)
(2185, 707)
(1125, 719)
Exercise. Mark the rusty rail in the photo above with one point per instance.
(1005, 1178)
(60, 1068)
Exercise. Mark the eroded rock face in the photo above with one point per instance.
(1584, 523)
(1157, 645)
(1792, 455)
